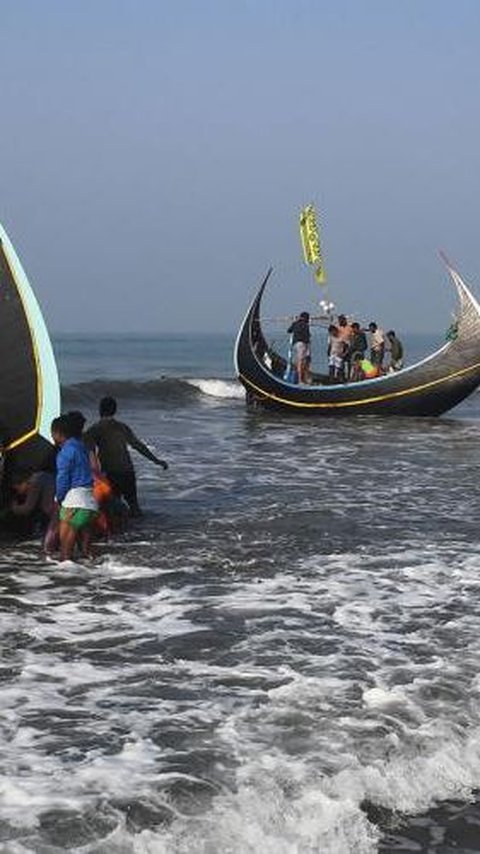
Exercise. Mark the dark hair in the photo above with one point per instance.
(391, 332)
(355, 325)
(107, 406)
(305, 315)
(342, 319)
(332, 328)
(372, 326)
(62, 425)
(77, 423)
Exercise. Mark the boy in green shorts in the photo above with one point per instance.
(74, 488)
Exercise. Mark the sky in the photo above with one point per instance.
(154, 157)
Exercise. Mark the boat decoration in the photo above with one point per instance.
(428, 388)
(29, 386)
(310, 238)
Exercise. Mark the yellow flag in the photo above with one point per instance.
(308, 228)
(311, 242)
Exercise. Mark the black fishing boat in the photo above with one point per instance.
(429, 387)
(29, 387)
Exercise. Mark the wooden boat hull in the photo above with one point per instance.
(29, 384)
(428, 388)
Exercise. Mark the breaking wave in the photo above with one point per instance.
(219, 388)
(165, 390)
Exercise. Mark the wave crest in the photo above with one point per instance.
(165, 390)
(219, 388)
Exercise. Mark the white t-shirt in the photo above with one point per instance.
(81, 498)
(377, 339)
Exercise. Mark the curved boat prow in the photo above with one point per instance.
(29, 383)
(251, 321)
(465, 295)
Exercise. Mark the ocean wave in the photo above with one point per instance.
(219, 388)
(165, 390)
(279, 807)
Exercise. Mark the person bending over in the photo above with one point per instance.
(112, 439)
(363, 369)
(34, 496)
(74, 488)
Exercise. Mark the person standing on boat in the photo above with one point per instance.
(359, 343)
(377, 345)
(112, 438)
(337, 351)
(345, 334)
(358, 348)
(300, 332)
(344, 328)
(395, 347)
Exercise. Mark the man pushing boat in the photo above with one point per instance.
(111, 439)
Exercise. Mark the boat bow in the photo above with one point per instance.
(29, 384)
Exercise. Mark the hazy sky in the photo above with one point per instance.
(154, 156)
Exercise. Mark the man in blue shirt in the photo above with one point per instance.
(74, 488)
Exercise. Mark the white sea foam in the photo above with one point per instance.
(219, 388)
(373, 697)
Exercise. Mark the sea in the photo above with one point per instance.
(281, 657)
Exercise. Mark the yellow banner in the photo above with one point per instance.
(320, 274)
(311, 242)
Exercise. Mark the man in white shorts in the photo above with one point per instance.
(300, 332)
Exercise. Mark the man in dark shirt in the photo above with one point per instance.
(300, 332)
(359, 343)
(111, 439)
